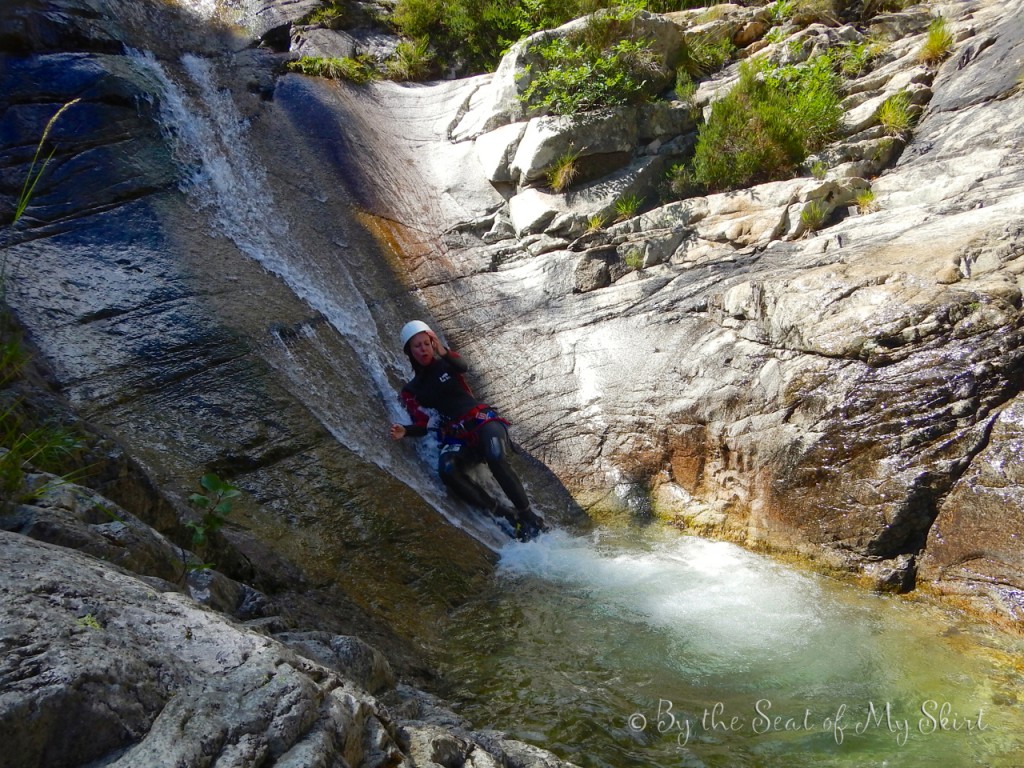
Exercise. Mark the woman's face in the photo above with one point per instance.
(421, 348)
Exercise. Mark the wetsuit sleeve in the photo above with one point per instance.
(456, 362)
(418, 428)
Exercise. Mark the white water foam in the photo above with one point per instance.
(728, 603)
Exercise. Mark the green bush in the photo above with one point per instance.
(470, 36)
(598, 67)
(767, 125)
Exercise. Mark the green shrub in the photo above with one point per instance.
(894, 115)
(578, 75)
(938, 43)
(767, 124)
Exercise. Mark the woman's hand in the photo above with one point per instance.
(397, 431)
(439, 349)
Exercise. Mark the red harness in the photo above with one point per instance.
(464, 429)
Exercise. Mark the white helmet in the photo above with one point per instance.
(410, 329)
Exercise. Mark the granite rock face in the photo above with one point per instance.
(834, 390)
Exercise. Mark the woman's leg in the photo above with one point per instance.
(451, 466)
(494, 446)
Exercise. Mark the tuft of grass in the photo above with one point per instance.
(627, 206)
(806, 12)
(412, 60)
(331, 14)
(856, 58)
(596, 223)
(357, 70)
(634, 259)
(562, 174)
(938, 43)
(895, 117)
(703, 55)
(819, 169)
(813, 215)
(35, 169)
(865, 199)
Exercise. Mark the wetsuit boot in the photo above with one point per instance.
(528, 524)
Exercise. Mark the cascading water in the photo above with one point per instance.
(225, 180)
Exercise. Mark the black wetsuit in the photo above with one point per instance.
(471, 432)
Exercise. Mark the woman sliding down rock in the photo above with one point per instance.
(470, 433)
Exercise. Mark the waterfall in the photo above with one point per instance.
(225, 180)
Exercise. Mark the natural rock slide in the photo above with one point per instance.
(850, 393)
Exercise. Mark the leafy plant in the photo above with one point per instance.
(561, 175)
(813, 215)
(894, 115)
(634, 259)
(681, 183)
(938, 43)
(597, 67)
(781, 10)
(215, 505)
(626, 207)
